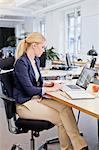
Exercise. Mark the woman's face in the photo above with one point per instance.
(39, 49)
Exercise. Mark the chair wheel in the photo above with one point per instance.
(81, 134)
(36, 134)
(16, 147)
(13, 147)
(45, 146)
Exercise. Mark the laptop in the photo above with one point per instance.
(65, 66)
(78, 90)
(69, 63)
(60, 66)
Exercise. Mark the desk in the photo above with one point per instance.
(61, 73)
(88, 106)
(53, 73)
(82, 63)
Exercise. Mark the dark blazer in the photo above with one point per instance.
(25, 85)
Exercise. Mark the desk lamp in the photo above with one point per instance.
(92, 52)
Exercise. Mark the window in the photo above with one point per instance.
(74, 31)
(42, 27)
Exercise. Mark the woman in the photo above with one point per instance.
(29, 89)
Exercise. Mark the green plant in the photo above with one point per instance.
(11, 40)
(51, 54)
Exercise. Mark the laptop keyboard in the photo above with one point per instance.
(73, 87)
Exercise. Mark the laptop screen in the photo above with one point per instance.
(85, 77)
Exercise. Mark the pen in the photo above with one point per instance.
(64, 94)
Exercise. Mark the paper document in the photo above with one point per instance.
(79, 95)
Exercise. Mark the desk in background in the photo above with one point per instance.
(82, 63)
(60, 74)
(53, 74)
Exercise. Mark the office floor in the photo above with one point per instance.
(87, 125)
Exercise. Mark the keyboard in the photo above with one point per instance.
(73, 86)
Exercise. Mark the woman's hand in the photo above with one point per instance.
(48, 84)
(55, 87)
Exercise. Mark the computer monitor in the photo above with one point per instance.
(43, 60)
(68, 61)
(85, 77)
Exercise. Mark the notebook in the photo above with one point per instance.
(76, 95)
(78, 91)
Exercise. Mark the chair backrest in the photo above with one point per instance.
(7, 89)
(7, 63)
(7, 83)
(7, 86)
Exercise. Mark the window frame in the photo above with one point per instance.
(42, 22)
(76, 26)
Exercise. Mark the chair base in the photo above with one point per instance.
(45, 145)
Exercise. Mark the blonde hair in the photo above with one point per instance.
(34, 37)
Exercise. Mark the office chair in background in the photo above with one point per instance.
(43, 60)
(7, 63)
(18, 125)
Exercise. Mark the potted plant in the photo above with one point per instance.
(11, 40)
(50, 56)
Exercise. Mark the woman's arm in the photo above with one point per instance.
(55, 87)
(21, 72)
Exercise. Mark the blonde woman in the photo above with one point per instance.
(29, 89)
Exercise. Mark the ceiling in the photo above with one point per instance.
(35, 5)
(28, 8)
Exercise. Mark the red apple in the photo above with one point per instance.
(95, 88)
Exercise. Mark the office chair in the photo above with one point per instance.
(18, 125)
(7, 63)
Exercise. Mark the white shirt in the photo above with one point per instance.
(35, 70)
(37, 74)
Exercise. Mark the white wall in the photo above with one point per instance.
(98, 32)
(15, 17)
(55, 28)
(26, 22)
(90, 25)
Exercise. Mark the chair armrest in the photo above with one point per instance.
(6, 97)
